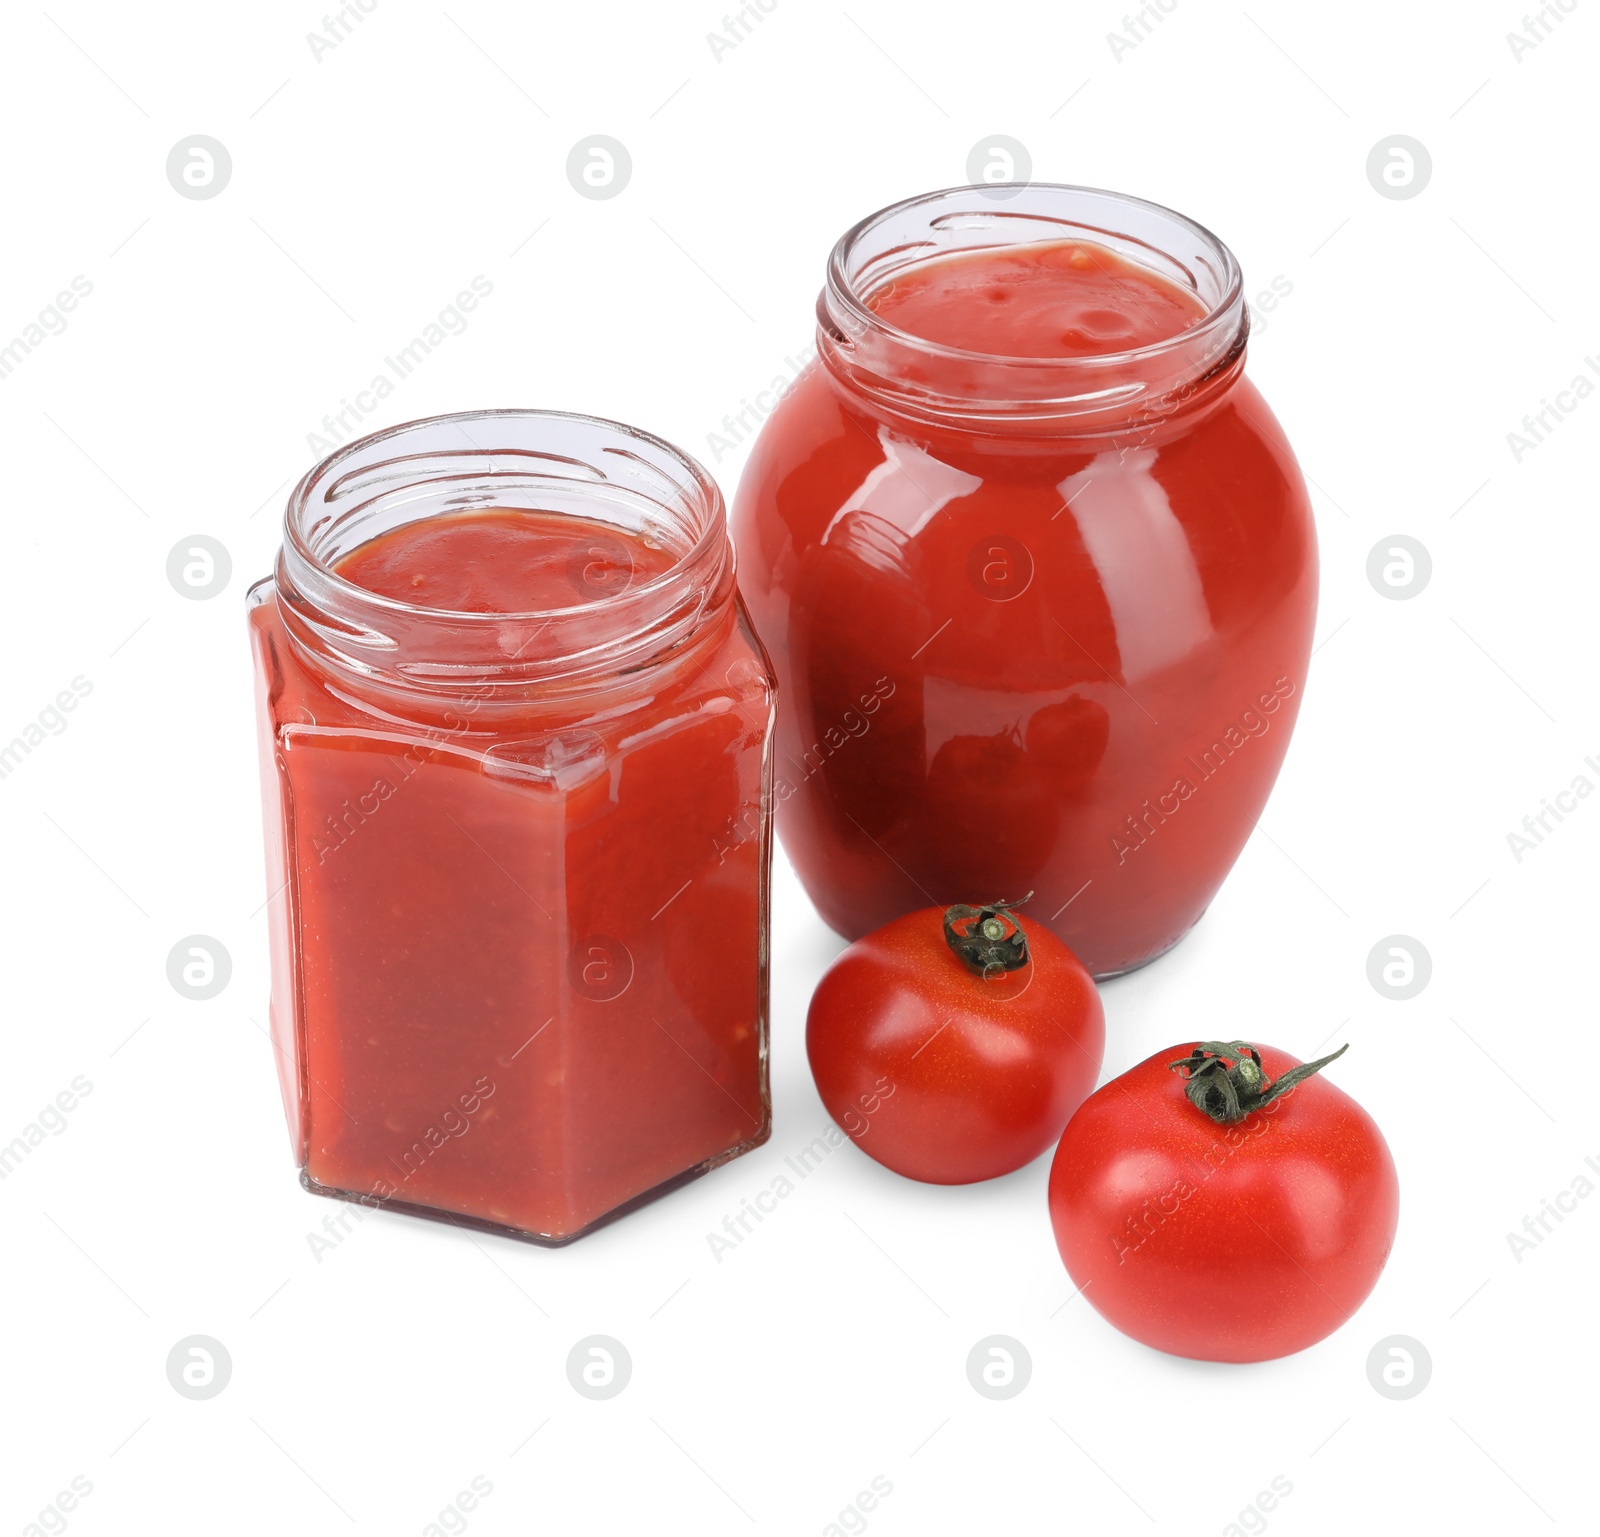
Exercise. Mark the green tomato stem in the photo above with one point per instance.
(989, 940)
(1224, 1078)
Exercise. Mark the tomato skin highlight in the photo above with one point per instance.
(1223, 1243)
(945, 1076)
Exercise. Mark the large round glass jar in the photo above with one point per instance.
(1040, 623)
(516, 738)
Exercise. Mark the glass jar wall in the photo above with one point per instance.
(1040, 602)
(516, 740)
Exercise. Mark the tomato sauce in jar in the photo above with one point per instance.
(515, 740)
(1036, 568)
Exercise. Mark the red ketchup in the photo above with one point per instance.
(1063, 300)
(498, 561)
(1036, 569)
(518, 950)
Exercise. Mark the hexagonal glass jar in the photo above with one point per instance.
(519, 862)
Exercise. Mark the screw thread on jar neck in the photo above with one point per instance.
(916, 382)
(585, 467)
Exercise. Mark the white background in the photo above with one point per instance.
(367, 188)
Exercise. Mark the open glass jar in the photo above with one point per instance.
(1040, 623)
(519, 861)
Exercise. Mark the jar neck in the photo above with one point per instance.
(1116, 396)
(601, 472)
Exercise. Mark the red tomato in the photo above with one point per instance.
(1224, 1242)
(952, 1070)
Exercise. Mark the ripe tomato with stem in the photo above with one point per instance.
(952, 1045)
(1224, 1202)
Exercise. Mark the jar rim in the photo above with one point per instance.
(713, 528)
(920, 384)
(579, 466)
(843, 288)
